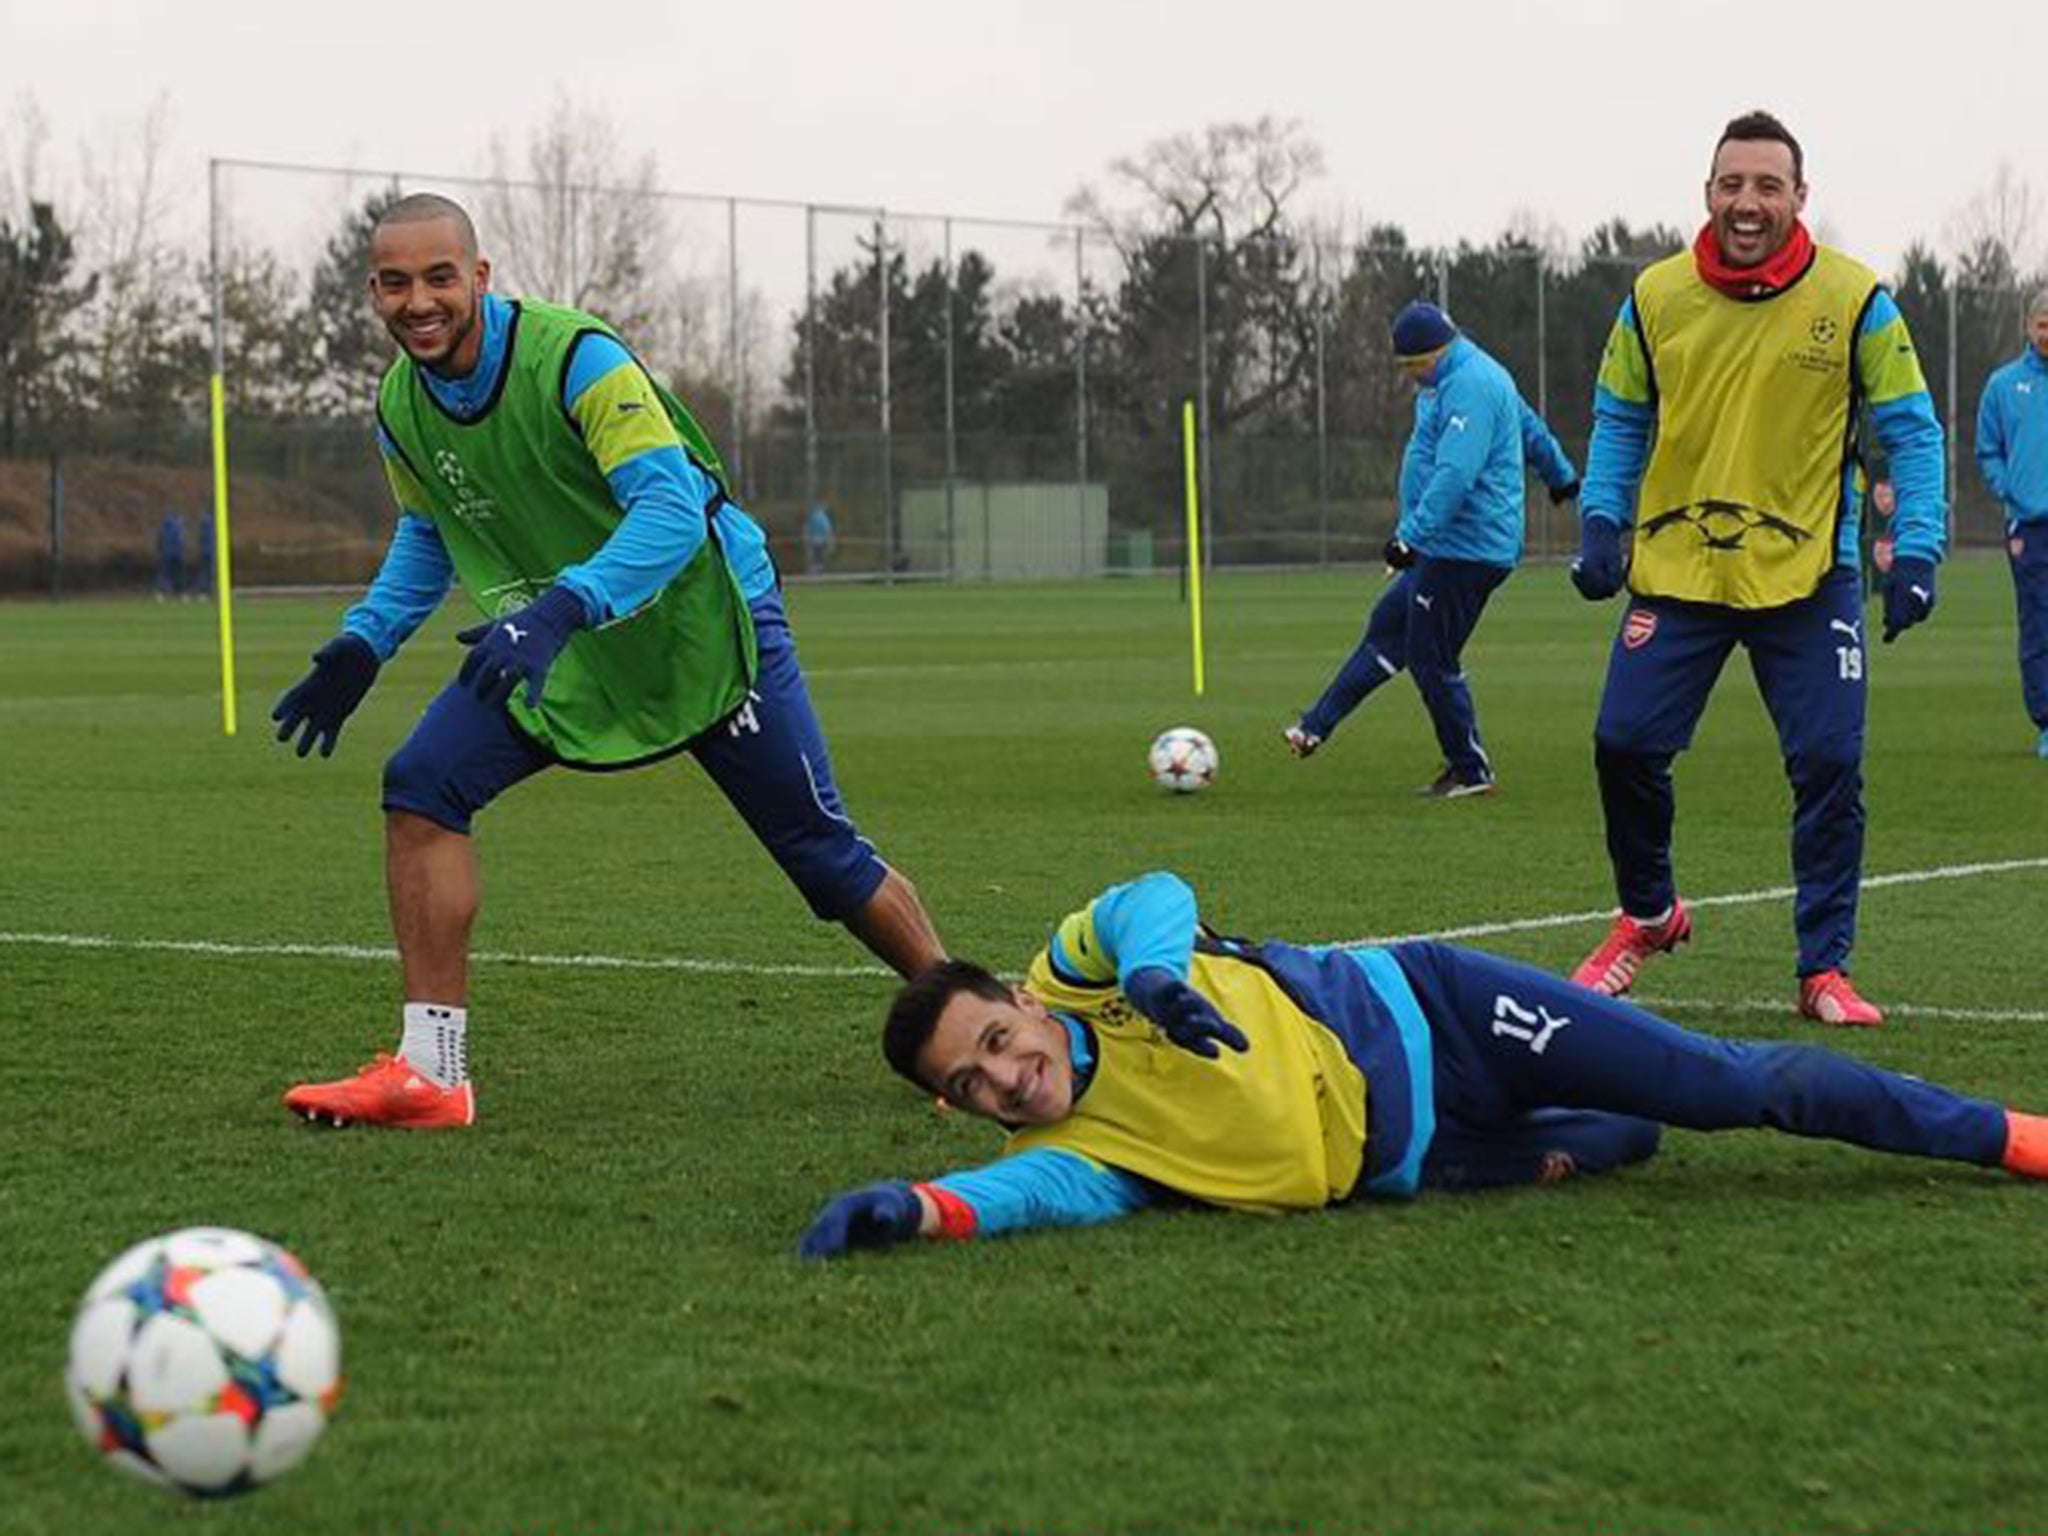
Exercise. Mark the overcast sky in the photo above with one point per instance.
(1445, 118)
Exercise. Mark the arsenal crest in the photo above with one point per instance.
(1637, 628)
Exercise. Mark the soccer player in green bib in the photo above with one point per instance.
(630, 611)
(1148, 1060)
(1722, 489)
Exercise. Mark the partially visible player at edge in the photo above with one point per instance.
(1724, 428)
(630, 608)
(2012, 455)
(1145, 1059)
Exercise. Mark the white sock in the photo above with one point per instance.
(433, 1043)
(1658, 921)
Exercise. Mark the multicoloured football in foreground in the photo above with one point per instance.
(206, 1360)
(1183, 760)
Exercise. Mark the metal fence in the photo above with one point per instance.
(966, 398)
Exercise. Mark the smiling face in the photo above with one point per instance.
(1754, 197)
(1007, 1059)
(428, 284)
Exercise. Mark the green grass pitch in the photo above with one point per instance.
(586, 1316)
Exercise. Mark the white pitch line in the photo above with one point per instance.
(689, 965)
(1783, 1005)
(362, 952)
(1733, 899)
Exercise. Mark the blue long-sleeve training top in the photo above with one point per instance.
(2012, 437)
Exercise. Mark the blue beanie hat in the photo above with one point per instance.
(1422, 328)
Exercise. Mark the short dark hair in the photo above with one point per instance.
(915, 1013)
(1760, 125)
(420, 207)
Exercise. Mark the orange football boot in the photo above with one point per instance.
(386, 1092)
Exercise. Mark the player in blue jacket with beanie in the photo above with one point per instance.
(1459, 537)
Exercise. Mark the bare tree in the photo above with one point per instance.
(576, 221)
(1201, 222)
(24, 135)
(1995, 234)
(1230, 182)
(143, 334)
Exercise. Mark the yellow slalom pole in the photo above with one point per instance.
(1187, 435)
(223, 587)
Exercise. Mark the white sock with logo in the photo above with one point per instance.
(433, 1043)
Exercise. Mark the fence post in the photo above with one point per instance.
(1954, 345)
(1543, 391)
(1322, 409)
(882, 339)
(810, 358)
(1202, 381)
(1080, 375)
(736, 370)
(56, 525)
(952, 420)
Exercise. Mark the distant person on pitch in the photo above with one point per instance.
(2012, 455)
(170, 556)
(629, 611)
(1459, 537)
(1146, 1061)
(1720, 491)
(818, 540)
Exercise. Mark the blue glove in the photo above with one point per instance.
(520, 646)
(1189, 1019)
(1399, 554)
(1908, 595)
(1599, 571)
(873, 1217)
(343, 670)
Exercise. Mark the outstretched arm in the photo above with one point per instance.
(1139, 937)
(1040, 1188)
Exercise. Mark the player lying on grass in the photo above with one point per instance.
(1146, 1059)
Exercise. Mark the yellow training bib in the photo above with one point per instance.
(1755, 425)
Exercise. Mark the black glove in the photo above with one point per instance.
(1560, 494)
(874, 1217)
(1908, 595)
(1189, 1019)
(1599, 570)
(520, 646)
(343, 670)
(1398, 554)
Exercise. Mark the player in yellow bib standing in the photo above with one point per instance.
(1722, 488)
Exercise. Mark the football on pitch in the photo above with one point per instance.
(1183, 760)
(206, 1360)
